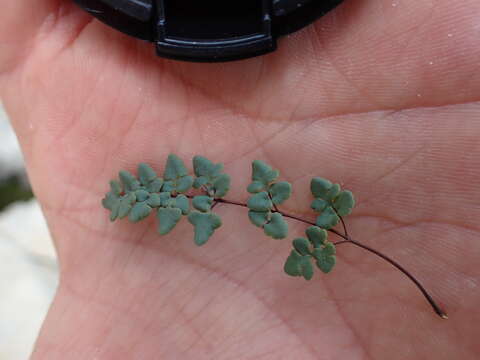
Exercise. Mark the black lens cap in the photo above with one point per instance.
(209, 30)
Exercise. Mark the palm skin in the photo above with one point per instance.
(381, 97)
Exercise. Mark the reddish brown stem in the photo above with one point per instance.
(347, 239)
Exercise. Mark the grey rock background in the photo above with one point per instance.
(28, 265)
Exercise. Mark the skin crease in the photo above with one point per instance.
(380, 96)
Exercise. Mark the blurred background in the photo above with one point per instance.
(28, 265)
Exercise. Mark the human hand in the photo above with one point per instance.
(380, 96)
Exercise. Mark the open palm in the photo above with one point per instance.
(380, 96)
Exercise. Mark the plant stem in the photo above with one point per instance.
(341, 242)
(348, 239)
(274, 206)
(343, 222)
(429, 298)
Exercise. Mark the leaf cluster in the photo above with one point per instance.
(138, 197)
(267, 194)
(330, 201)
(215, 183)
(315, 247)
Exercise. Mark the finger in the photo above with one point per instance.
(23, 24)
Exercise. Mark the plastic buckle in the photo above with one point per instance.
(214, 30)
